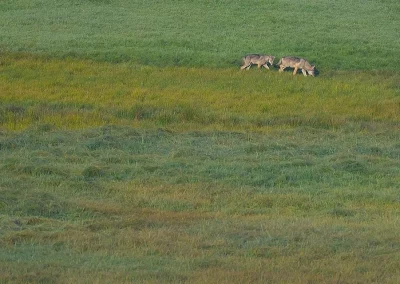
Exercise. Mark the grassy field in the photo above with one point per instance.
(132, 149)
(80, 94)
(334, 35)
(120, 204)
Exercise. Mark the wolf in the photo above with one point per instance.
(296, 63)
(259, 59)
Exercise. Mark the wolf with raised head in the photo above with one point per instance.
(259, 59)
(296, 63)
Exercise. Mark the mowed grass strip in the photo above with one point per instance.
(334, 35)
(80, 94)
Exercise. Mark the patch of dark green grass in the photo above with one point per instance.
(294, 160)
(32, 203)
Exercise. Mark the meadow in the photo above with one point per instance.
(134, 150)
(361, 35)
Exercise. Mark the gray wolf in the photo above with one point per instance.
(296, 63)
(259, 59)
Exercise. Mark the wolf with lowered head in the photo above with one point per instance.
(296, 63)
(259, 59)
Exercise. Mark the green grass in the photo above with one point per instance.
(340, 35)
(136, 205)
(133, 150)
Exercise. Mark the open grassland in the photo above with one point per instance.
(359, 34)
(132, 149)
(126, 173)
(117, 204)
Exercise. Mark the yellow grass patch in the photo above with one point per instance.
(79, 94)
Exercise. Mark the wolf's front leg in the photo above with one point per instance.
(304, 72)
(295, 71)
(266, 66)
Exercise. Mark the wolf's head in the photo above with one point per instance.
(271, 60)
(311, 70)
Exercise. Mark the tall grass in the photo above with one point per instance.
(117, 204)
(76, 94)
(334, 35)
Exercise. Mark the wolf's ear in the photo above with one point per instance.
(312, 67)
